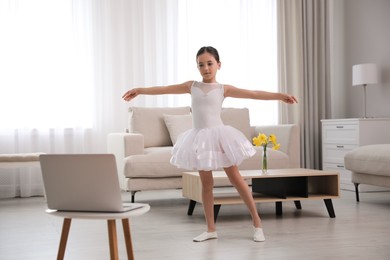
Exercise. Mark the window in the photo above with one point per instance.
(48, 79)
(45, 73)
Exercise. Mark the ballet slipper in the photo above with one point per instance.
(206, 236)
(258, 235)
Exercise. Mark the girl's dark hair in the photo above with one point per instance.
(210, 50)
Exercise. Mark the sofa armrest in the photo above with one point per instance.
(288, 136)
(123, 145)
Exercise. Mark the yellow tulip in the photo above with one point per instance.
(256, 141)
(272, 138)
(263, 140)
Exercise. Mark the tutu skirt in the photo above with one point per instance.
(211, 148)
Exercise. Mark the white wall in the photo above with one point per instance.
(361, 35)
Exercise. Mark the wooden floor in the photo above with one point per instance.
(359, 231)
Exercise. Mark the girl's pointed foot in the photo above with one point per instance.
(258, 235)
(206, 236)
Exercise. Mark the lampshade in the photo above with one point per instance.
(363, 74)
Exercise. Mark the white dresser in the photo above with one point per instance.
(342, 135)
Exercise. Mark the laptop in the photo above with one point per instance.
(82, 182)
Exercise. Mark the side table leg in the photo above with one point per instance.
(112, 239)
(127, 233)
(329, 207)
(64, 238)
(279, 208)
(191, 207)
(216, 212)
(298, 204)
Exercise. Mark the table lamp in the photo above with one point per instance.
(364, 74)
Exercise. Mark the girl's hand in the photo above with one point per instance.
(129, 95)
(289, 99)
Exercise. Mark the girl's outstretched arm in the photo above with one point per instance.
(231, 91)
(158, 90)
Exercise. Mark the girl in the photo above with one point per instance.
(211, 144)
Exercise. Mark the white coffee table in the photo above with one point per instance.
(278, 185)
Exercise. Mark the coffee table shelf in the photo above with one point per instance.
(277, 186)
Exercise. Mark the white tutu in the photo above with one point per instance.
(211, 148)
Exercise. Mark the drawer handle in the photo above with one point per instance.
(340, 166)
(340, 146)
(340, 126)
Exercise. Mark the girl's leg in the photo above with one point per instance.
(207, 180)
(245, 194)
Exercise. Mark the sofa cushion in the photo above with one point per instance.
(154, 163)
(177, 124)
(149, 122)
(239, 119)
(371, 159)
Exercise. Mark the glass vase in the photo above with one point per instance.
(264, 167)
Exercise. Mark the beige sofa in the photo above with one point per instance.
(144, 151)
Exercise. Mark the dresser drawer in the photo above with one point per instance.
(340, 133)
(334, 153)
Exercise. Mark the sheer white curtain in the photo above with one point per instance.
(244, 32)
(65, 64)
(46, 87)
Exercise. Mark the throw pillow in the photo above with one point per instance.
(149, 122)
(239, 119)
(177, 124)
